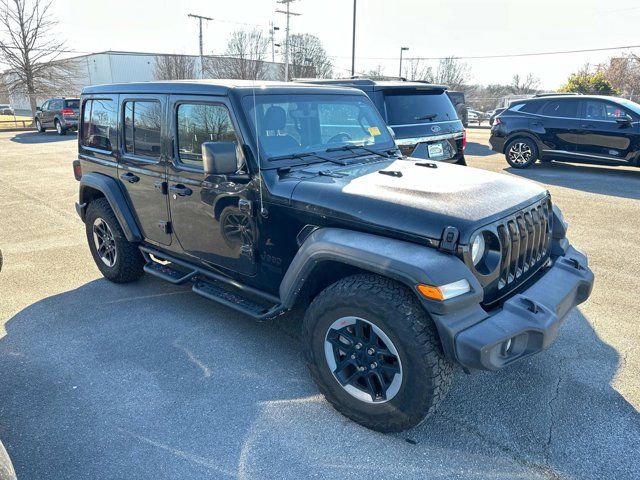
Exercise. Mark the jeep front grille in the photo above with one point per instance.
(525, 239)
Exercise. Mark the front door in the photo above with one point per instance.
(604, 134)
(557, 126)
(142, 164)
(211, 216)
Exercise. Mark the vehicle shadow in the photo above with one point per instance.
(478, 149)
(46, 137)
(615, 181)
(151, 381)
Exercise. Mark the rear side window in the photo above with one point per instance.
(561, 108)
(99, 120)
(531, 107)
(405, 108)
(72, 104)
(55, 105)
(142, 120)
(199, 123)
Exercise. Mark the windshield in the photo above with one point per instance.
(417, 107)
(295, 124)
(72, 104)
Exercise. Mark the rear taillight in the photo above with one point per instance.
(77, 169)
(497, 121)
(68, 111)
(464, 139)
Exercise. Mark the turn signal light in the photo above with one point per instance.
(444, 292)
(77, 170)
(464, 139)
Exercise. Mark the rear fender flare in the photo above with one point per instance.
(111, 191)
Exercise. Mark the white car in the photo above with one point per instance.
(6, 109)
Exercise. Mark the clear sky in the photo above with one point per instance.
(429, 28)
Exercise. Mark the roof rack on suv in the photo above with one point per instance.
(555, 94)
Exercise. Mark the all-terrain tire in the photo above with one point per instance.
(59, 128)
(129, 263)
(39, 127)
(392, 308)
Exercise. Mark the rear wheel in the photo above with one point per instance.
(374, 353)
(59, 128)
(521, 153)
(118, 259)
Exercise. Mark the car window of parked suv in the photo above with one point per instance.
(561, 108)
(142, 128)
(55, 105)
(99, 120)
(72, 104)
(598, 110)
(199, 123)
(417, 107)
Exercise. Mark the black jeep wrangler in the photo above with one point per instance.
(276, 196)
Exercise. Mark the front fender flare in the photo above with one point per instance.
(114, 195)
(408, 263)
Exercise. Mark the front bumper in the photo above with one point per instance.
(527, 323)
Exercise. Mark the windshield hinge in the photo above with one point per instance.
(449, 239)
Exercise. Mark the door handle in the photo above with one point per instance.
(537, 124)
(130, 177)
(180, 190)
(588, 125)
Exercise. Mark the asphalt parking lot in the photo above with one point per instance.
(148, 380)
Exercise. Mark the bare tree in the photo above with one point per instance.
(244, 57)
(526, 85)
(308, 57)
(415, 70)
(624, 74)
(376, 73)
(452, 72)
(174, 67)
(31, 50)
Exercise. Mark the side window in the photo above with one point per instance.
(45, 106)
(99, 119)
(142, 120)
(199, 123)
(55, 105)
(561, 108)
(598, 110)
(531, 107)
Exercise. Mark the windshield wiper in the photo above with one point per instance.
(351, 148)
(429, 117)
(301, 155)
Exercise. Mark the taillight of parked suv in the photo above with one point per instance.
(67, 112)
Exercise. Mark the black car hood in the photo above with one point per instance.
(421, 202)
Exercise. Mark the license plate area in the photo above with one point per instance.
(436, 150)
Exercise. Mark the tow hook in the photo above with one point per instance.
(575, 264)
(531, 305)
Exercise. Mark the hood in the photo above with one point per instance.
(421, 202)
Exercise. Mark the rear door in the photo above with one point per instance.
(211, 216)
(557, 125)
(50, 114)
(142, 163)
(602, 136)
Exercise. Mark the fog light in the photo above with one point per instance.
(506, 346)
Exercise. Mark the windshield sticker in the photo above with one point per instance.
(375, 131)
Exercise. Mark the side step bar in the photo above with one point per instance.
(232, 293)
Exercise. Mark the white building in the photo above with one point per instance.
(122, 67)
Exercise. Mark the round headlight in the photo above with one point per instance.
(477, 248)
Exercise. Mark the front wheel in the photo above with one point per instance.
(374, 353)
(521, 153)
(39, 127)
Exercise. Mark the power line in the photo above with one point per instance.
(508, 55)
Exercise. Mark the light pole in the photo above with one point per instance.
(402, 49)
(200, 18)
(353, 42)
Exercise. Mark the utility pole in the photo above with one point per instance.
(288, 13)
(272, 30)
(353, 43)
(402, 49)
(200, 18)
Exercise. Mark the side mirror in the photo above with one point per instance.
(219, 158)
(626, 120)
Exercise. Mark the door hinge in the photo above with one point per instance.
(165, 226)
(246, 207)
(162, 186)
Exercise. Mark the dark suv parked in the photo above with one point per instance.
(58, 113)
(294, 196)
(583, 128)
(423, 119)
